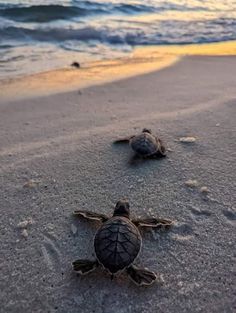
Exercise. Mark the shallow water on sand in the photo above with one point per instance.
(45, 34)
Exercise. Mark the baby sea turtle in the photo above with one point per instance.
(145, 145)
(75, 64)
(118, 242)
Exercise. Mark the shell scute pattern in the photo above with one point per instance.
(117, 243)
(144, 144)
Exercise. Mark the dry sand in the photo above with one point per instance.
(62, 143)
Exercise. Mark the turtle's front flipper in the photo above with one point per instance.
(123, 140)
(141, 276)
(153, 222)
(91, 215)
(84, 266)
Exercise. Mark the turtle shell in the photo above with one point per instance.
(117, 243)
(144, 144)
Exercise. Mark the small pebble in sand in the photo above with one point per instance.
(204, 189)
(218, 124)
(187, 139)
(150, 210)
(25, 223)
(192, 183)
(31, 184)
(140, 180)
(24, 233)
(50, 227)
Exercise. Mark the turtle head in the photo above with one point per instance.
(146, 130)
(122, 208)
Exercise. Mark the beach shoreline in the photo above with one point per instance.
(143, 60)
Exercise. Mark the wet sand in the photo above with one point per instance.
(56, 156)
(141, 61)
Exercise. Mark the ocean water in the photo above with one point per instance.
(38, 35)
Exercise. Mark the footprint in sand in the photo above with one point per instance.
(51, 252)
(182, 232)
(230, 215)
(198, 214)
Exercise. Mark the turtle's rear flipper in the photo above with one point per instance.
(123, 140)
(161, 151)
(141, 276)
(91, 215)
(84, 266)
(153, 222)
(162, 147)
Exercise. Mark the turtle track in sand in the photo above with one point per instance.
(51, 253)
